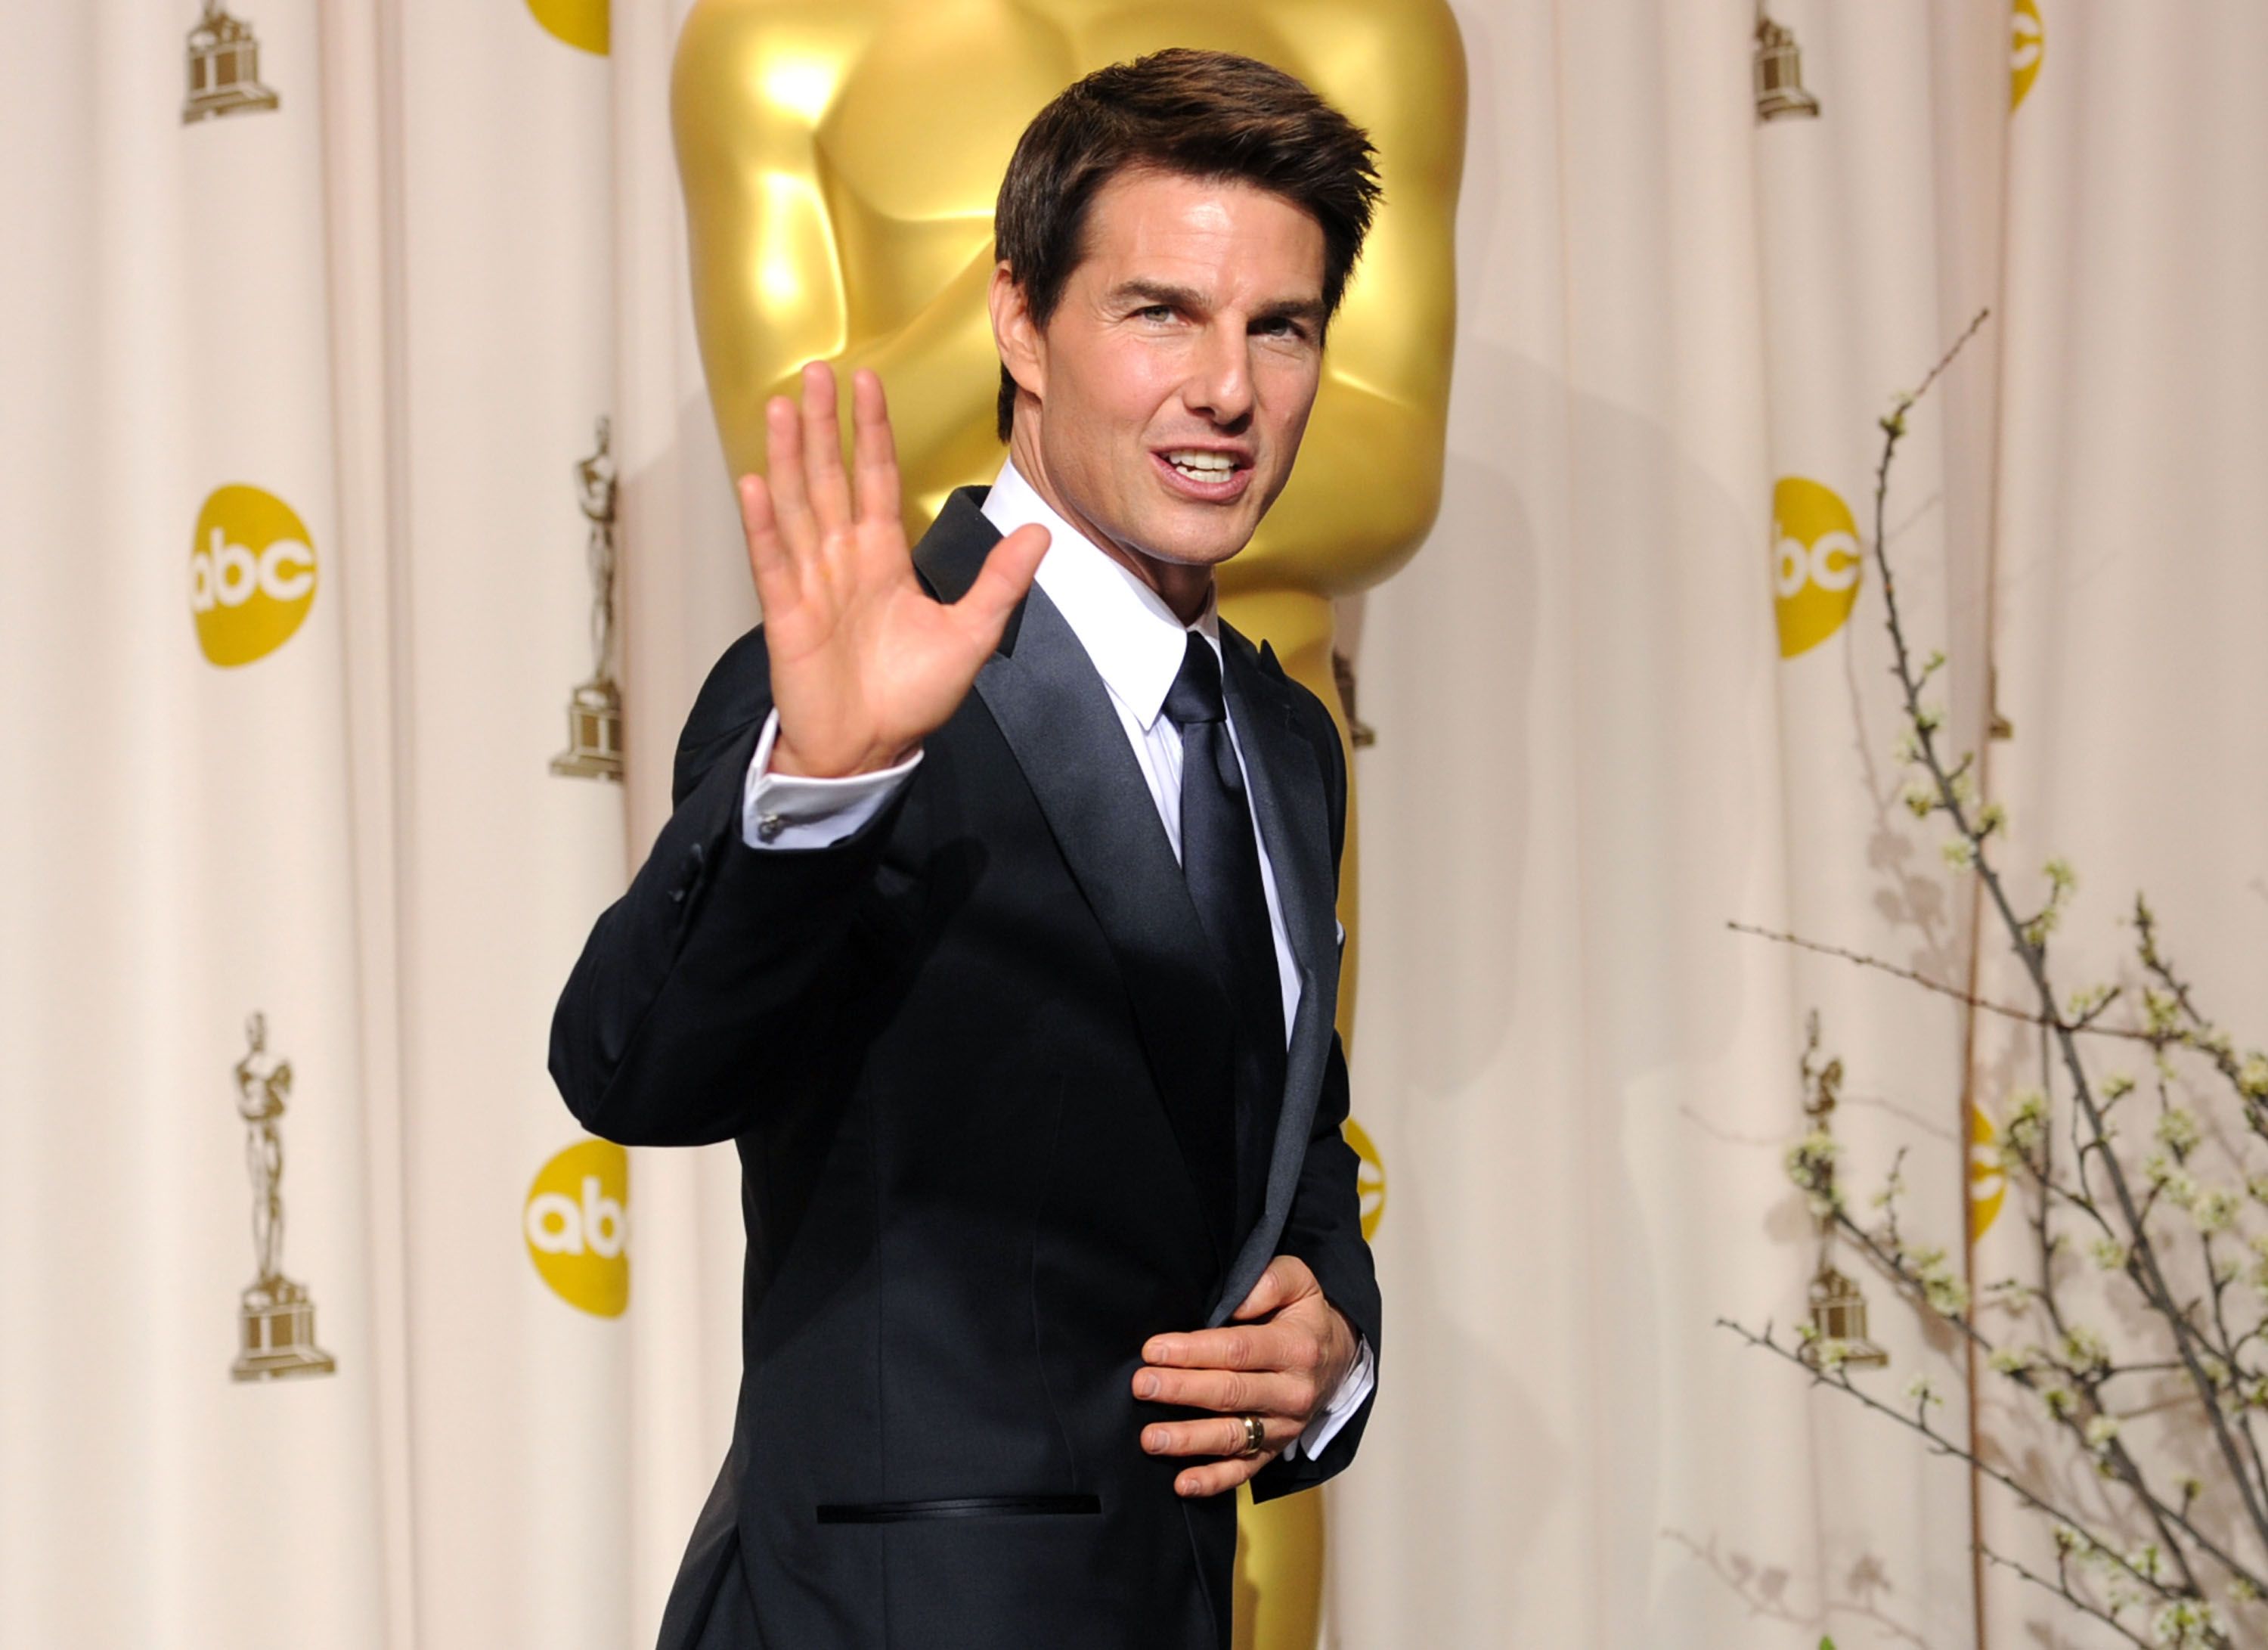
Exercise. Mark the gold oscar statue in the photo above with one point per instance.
(840, 160)
(595, 709)
(223, 64)
(276, 1316)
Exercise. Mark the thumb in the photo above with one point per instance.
(1003, 581)
(1285, 1280)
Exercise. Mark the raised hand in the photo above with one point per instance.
(865, 663)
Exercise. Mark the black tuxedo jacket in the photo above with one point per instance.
(978, 1067)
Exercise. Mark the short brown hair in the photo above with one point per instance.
(1203, 114)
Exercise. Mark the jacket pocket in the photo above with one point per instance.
(960, 1506)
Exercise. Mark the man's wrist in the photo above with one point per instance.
(785, 763)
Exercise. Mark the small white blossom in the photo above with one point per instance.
(2109, 1253)
(1810, 1159)
(2084, 1351)
(2177, 1130)
(2028, 1120)
(1922, 1391)
(1959, 854)
(2101, 1429)
(2009, 1361)
(1945, 1293)
(2185, 1622)
(2216, 1209)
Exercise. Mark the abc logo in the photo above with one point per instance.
(1988, 1180)
(2028, 44)
(1369, 1177)
(576, 1223)
(583, 23)
(1816, 563)
(252, 574)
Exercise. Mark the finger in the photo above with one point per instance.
(822, 450)
(1233, 1347)
(875, 448)
(1001, 583)
(1285, 1280)
(1221, 1435)
(1231, 1391)
(1216, 1476)
(768, 557)
(784, 475)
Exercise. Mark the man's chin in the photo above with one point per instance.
(1172, 541)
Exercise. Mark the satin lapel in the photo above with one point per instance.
(1055, 712)
(1289, 802)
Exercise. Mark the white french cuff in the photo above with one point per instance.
(1360, 1377)
(788, 810)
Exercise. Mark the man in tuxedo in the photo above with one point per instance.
(994, 924)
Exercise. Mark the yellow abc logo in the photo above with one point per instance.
(583, 23)
(576, 1223)
(2028, 43)
(1988, 1182)
(1369, 1177)
(252, 574)
(1816, 563)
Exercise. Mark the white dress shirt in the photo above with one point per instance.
(1136, 645)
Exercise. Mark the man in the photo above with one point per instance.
(994, 924)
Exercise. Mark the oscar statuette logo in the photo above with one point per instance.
(577, 1223)
(595, 709)
(2028, 44)
(252, 574)
(1816, 563)
(223, 69)
(586, 24)
(276, 1317)
(1369, 1177)
(1778, 72)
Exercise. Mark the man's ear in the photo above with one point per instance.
(1021, 343)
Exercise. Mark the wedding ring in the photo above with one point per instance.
(1255, 1437)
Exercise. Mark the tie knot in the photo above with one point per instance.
(1194, 696)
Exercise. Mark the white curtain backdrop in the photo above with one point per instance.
(292, 404)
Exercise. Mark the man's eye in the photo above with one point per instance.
(1160, 310)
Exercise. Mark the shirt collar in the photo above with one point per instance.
(1126, 628)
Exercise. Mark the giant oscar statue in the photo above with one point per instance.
(840, 160)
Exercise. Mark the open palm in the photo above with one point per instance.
(865, 663)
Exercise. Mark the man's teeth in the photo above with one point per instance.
(1203, 467)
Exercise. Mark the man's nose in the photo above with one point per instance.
(1220, 381)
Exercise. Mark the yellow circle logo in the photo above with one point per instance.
(1369, 1177)
(1988, 1182)
(582, 23)
(578, 1226)
(2028, 43)
(1816, 563)
(252, 574)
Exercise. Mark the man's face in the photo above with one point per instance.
(1178, 370)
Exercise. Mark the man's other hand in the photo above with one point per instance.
(864, 663)
(1281, 1357)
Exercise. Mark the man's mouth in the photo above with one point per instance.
(1205, 473)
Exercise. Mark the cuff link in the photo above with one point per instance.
(769, 826)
